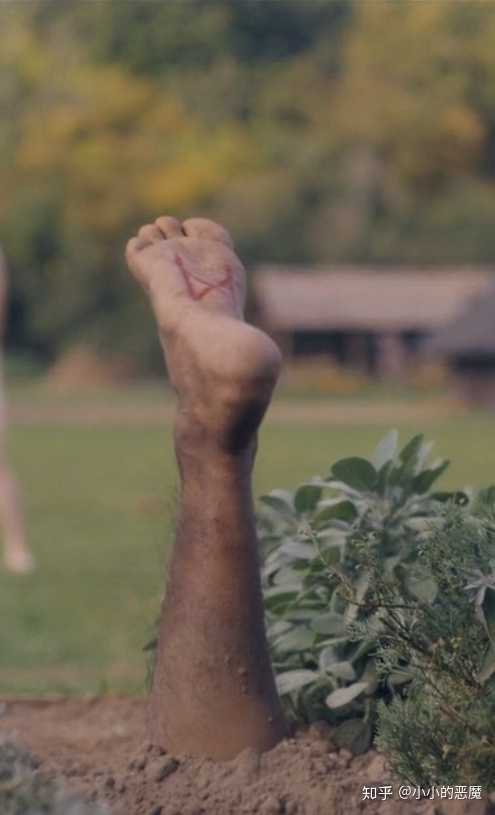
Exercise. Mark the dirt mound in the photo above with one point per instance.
(93, 746)
(303, 776)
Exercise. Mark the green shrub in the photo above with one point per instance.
(24, 790)
(442, 731)
(322, 545)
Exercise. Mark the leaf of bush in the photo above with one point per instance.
(395, 475)
(356, 472)
(409, 454)
(424, 589)
(279, 504)
(327, 657)
(354, 735)
(370, 675)
(278, 628)
(298, 550)
(424, 453)
(488, 665)
(399, 678)
(294, 680)
(385, 449)
(383, 477)
(302, 614)
(306, 498)
(299, 638)
(329, 623)
(488, 608)
(280, 596)
(288, 579)
(364, 647)
(341, 511)
(425, 480)
(487, 495)
(331, 555)
(342, 696)
(342, 670)
(458, 498)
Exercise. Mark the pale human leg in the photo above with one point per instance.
(17, 557)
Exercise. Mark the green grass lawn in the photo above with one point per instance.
(100, 503)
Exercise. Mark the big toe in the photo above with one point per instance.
(203, 229)
(169, 227)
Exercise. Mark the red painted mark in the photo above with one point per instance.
(199, 291)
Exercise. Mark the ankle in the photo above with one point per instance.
(202, 449)
(223, 425)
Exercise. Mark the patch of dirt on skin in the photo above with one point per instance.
(99, 747)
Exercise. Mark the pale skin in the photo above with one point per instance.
(213, 689)
(17, 557)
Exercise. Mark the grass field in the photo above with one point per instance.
(100, 503)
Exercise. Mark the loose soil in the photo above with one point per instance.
(99, 748)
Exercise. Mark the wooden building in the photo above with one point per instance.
(369, 319)
(468, 344)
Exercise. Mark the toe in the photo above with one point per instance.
(131, 255)
(131, 249)
(203, 229)
(169, 227)
(150, 234)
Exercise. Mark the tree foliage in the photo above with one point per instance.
(317, 131)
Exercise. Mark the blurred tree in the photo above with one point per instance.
(318, 131)
(414, 113)
(98, 151)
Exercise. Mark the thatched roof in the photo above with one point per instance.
(364, 299)
(472, 333)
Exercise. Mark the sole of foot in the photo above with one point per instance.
(223, 369)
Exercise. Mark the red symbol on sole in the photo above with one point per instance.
(199, 288)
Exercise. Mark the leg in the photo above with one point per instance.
(17, 556)
(213, 690)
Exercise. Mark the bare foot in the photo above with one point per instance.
(223, 369)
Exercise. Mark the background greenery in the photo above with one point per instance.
(318, 131)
